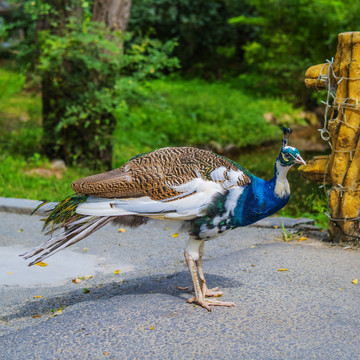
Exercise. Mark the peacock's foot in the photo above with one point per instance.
(214, 292)
(206, 303)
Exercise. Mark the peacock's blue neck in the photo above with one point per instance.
(262, 198)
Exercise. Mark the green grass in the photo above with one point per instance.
(20, 116)
(20, 135)
(194, 112)
(173, 112)
(18, 181)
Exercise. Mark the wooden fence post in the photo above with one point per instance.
(341, 170)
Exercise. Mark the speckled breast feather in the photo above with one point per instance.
(156, 174)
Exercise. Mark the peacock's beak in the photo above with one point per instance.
(299, 160)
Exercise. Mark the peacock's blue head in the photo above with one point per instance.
(289, 156)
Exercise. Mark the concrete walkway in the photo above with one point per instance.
(309, 311)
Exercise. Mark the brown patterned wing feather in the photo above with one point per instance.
(155, 174)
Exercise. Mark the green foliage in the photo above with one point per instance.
(11, 84)
(286, 234)
(200, 27)
(294, 35)
(177, 112)
(81, 65)
(317, 204)
(20, 131)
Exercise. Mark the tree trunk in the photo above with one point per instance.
(51, 110)
(114, 13)
(49, 97)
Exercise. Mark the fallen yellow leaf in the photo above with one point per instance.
(122, 230)
(283, 269)
(9, 272)
(105, 353)
(36, 316)
(84, 249)
(88, 277)
(175, 235)
(37, 296)
(302, 238)
(276, 226)
(20, 230)
(151, 328)
(116, 272)
(40, 263)
(253, 246)
(355, 281)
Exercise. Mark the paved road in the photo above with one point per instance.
(310, 311)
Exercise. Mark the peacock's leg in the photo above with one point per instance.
(199, 297)
(193, 253)
(214, 292)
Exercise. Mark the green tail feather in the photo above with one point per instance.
(64, 212)
(39, 206)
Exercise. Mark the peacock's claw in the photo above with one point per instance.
(206, 303)
(214, 292)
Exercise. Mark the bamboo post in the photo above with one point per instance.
(341, 170)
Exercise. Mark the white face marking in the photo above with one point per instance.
(282, 187)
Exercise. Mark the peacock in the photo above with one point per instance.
(209, 193)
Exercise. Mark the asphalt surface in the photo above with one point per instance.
(309, 311)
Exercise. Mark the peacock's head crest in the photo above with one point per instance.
(289, 155)
(286, 134)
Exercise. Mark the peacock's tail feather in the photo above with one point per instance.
(63, 212)
(63, 215)
(74, 231)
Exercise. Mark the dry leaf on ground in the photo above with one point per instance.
(40, 263)
(302, 238)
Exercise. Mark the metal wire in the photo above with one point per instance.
(331, 82)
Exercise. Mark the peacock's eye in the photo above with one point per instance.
(285, 156)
